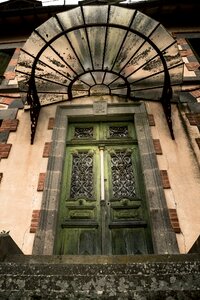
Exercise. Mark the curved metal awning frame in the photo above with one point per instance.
(166, 96)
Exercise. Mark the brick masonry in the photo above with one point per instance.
(165, 179)
(41, 180)
(185, 53)
(151, 120)
(198, 142)
(9, 75)
(13, 61)
(10, 70)
(174, 220)
(181, 41)
(35, 221)
(195, 93)
(10, 125)
(47, 149)
(193, 118)
(1, 176)
(51, 123)
(157, 146)
(192, 66)
(13, 101)
(5, 150)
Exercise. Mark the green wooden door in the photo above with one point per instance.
(102, 207)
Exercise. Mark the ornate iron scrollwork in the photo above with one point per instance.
(86, 132)
(118, 131)
(82, 175)
(123, 181)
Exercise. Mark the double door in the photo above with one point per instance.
(102, 207)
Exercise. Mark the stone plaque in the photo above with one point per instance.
(100, 108)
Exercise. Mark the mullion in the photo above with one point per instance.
(139, 48)
(54, 50)
(45, 79)
(103, 77)
(151, 59)
(47, 65)
(59, 22)
(85, 27)
(154, 87)
(106, 35)
(151, 75)
(123, 41)
(114, 80)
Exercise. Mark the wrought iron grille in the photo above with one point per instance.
(118, 131)
(86, 132)
(82, 176)
(123, 181)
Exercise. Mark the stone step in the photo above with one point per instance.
(100, 277)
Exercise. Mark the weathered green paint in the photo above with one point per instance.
(89, 226)
(163, 237)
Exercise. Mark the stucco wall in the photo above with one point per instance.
(181, 160)
(18, 189)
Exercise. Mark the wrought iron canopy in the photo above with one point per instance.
(98, 50)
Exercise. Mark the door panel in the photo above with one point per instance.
(127, 241)
(79, 241)
(79, 225)
(121, 172)
(127, 221)
(102, 208)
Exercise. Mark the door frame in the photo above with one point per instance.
(163, 238)
(106, 230)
